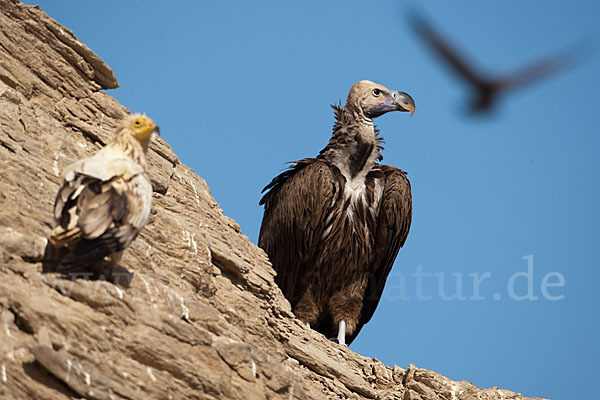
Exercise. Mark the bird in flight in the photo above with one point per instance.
(486, 90)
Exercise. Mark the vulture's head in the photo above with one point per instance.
(140, 127)
(373, 100)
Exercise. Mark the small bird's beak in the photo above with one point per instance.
(157, 129)
(403, 101)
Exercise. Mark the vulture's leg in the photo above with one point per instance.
(345, 308)
(307, 309)
(114, 261)
(341, 338)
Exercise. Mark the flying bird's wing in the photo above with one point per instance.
(533, 72)
(298, 214)
(97, 214)
(393, 224)
(446, 52)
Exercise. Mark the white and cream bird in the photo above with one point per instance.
(103, 204)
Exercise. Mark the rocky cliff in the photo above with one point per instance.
(202, 317)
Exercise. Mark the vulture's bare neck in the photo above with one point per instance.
(354, 146)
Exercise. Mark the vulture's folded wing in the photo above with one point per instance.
(96, 217)
(298, 215)
(104, 165)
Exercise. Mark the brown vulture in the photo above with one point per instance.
(103, 204)
(486, 90)
(333, 224)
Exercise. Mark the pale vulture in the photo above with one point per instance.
(103, 204)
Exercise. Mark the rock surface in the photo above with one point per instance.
(202, 318)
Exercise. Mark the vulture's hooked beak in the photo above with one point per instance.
(394, 101)
(403, 101)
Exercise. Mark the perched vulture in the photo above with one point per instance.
(333, 224)
(103, 204)
(486, 90)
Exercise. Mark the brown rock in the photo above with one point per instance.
(201, 318)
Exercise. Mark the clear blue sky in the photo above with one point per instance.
(239, 88)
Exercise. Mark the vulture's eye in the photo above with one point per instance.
(376, 92)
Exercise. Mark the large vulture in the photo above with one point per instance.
(333, 224)
(103, 204)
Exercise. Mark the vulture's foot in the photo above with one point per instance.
(341, 337)
(336, 340)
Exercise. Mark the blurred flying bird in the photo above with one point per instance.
(486, 90)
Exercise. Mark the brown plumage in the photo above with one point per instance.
(486, 90)
(103, 204)
(333, 224)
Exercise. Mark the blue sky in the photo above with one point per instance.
(240, 88)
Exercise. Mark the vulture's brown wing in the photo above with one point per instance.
(450, 55)
(297, 206)
(393, 224)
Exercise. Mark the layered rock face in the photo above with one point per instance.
(202, 317)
